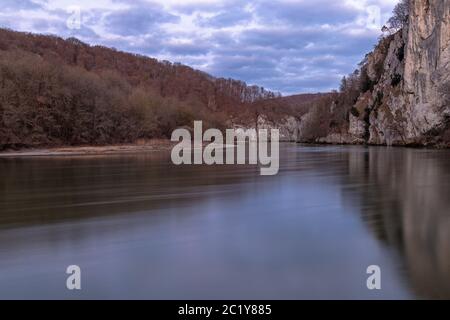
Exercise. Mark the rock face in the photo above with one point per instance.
(406, 98)
(288, 126)
(427, 65)
(409, 105)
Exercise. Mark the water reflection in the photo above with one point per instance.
(404, 195)
(142, 228)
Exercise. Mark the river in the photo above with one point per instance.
(140, 227)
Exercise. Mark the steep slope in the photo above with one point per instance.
(409, 72)
(169, 79)
(57, 92)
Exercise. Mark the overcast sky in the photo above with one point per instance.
(291, 46)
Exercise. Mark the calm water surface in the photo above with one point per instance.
(140, 227)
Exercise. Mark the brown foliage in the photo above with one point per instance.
(400, 15)
(168, 79)
(65, 92)
(48, 104)
(320, 119)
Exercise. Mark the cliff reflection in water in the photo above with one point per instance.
(405, 200)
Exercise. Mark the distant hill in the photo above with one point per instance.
(65, 92)
(170, 79)
(294, 105)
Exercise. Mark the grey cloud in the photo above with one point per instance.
(306, 13)
(19, 4)
(303, 46)
(229, 18)
(211, 7)
(139, 19)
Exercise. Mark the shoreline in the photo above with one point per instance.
(89, 150)
(157, 145)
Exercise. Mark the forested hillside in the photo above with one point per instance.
(65, 92)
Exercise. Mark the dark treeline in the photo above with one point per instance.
(64, 92)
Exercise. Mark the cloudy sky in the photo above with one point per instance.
(290, 46)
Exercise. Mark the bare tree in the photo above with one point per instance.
(400, 16)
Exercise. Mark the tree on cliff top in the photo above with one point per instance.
(400, 16)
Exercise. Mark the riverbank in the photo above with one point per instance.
(147, 146)
(157, 145)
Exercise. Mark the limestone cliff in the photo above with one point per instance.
(288, 126)
(402, 96)
(409, 104)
